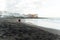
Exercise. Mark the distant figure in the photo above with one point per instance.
(19, 20)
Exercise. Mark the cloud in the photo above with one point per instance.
(2, 5)
(44, 8)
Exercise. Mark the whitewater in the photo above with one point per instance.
(46, 23)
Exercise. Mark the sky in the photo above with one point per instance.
(2, 5)
(44, 8)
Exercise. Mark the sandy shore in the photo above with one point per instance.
(20, 31)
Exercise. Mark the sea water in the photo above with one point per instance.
(46, 23)
(51, 20)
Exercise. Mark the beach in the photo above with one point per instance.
(21, 31)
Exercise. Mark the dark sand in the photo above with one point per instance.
(20, 31)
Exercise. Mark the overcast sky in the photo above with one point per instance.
(44, 8)
(2, 5)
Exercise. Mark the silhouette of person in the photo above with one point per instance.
(19, 20)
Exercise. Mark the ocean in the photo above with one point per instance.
(46, 23)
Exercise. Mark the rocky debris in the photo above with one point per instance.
(20, 31)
